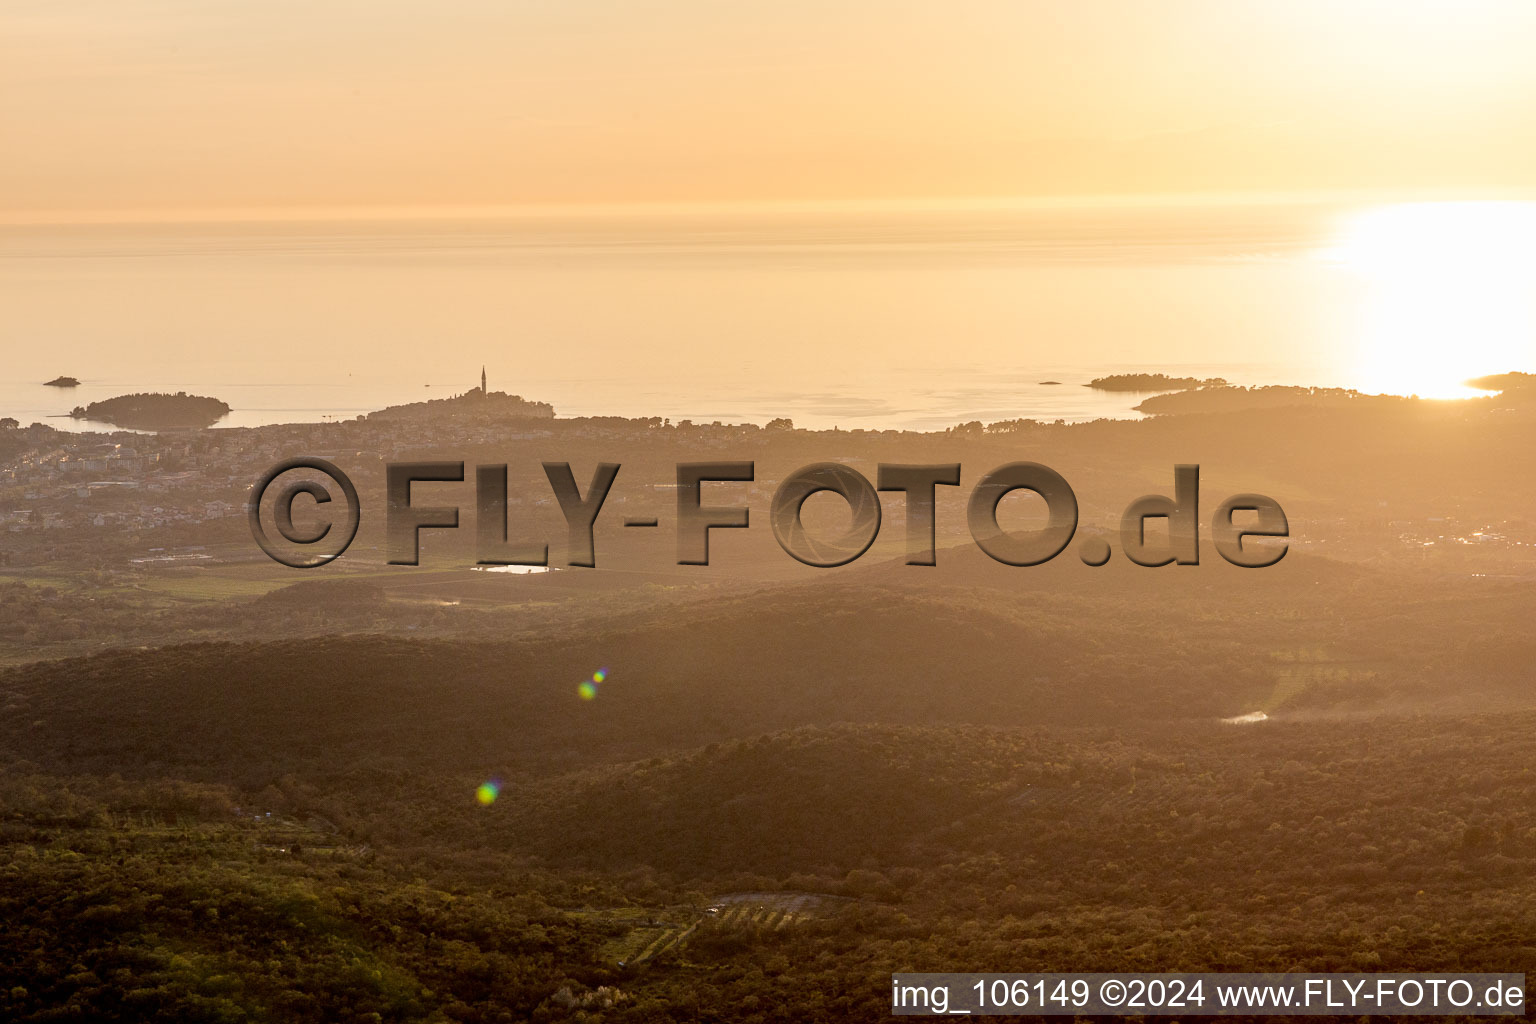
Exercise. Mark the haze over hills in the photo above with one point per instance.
(961, 645)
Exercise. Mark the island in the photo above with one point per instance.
(180, 411)
(1152, 382)
(62, 382)
(1044, 382)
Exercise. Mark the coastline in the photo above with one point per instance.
(919, 399)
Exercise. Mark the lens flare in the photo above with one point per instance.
(600, 675)
(587, 690)
(487, 792)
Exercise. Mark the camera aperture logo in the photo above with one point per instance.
(404, 520)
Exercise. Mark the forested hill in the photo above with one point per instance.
(741, 668)
(946, 772)
(894, 646)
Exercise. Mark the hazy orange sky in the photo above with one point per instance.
(186, 104)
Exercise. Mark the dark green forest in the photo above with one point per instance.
(769, 806)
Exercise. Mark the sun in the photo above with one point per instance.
(1450, 293)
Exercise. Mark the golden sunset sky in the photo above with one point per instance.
(181, 105)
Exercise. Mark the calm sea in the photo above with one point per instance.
(912, 317)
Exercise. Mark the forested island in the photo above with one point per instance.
(62, 382)
(1152, 382)
(155, 411)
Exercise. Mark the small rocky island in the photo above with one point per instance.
(62, 382)
(180, 411)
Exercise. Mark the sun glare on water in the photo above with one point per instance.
(1451, 294)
